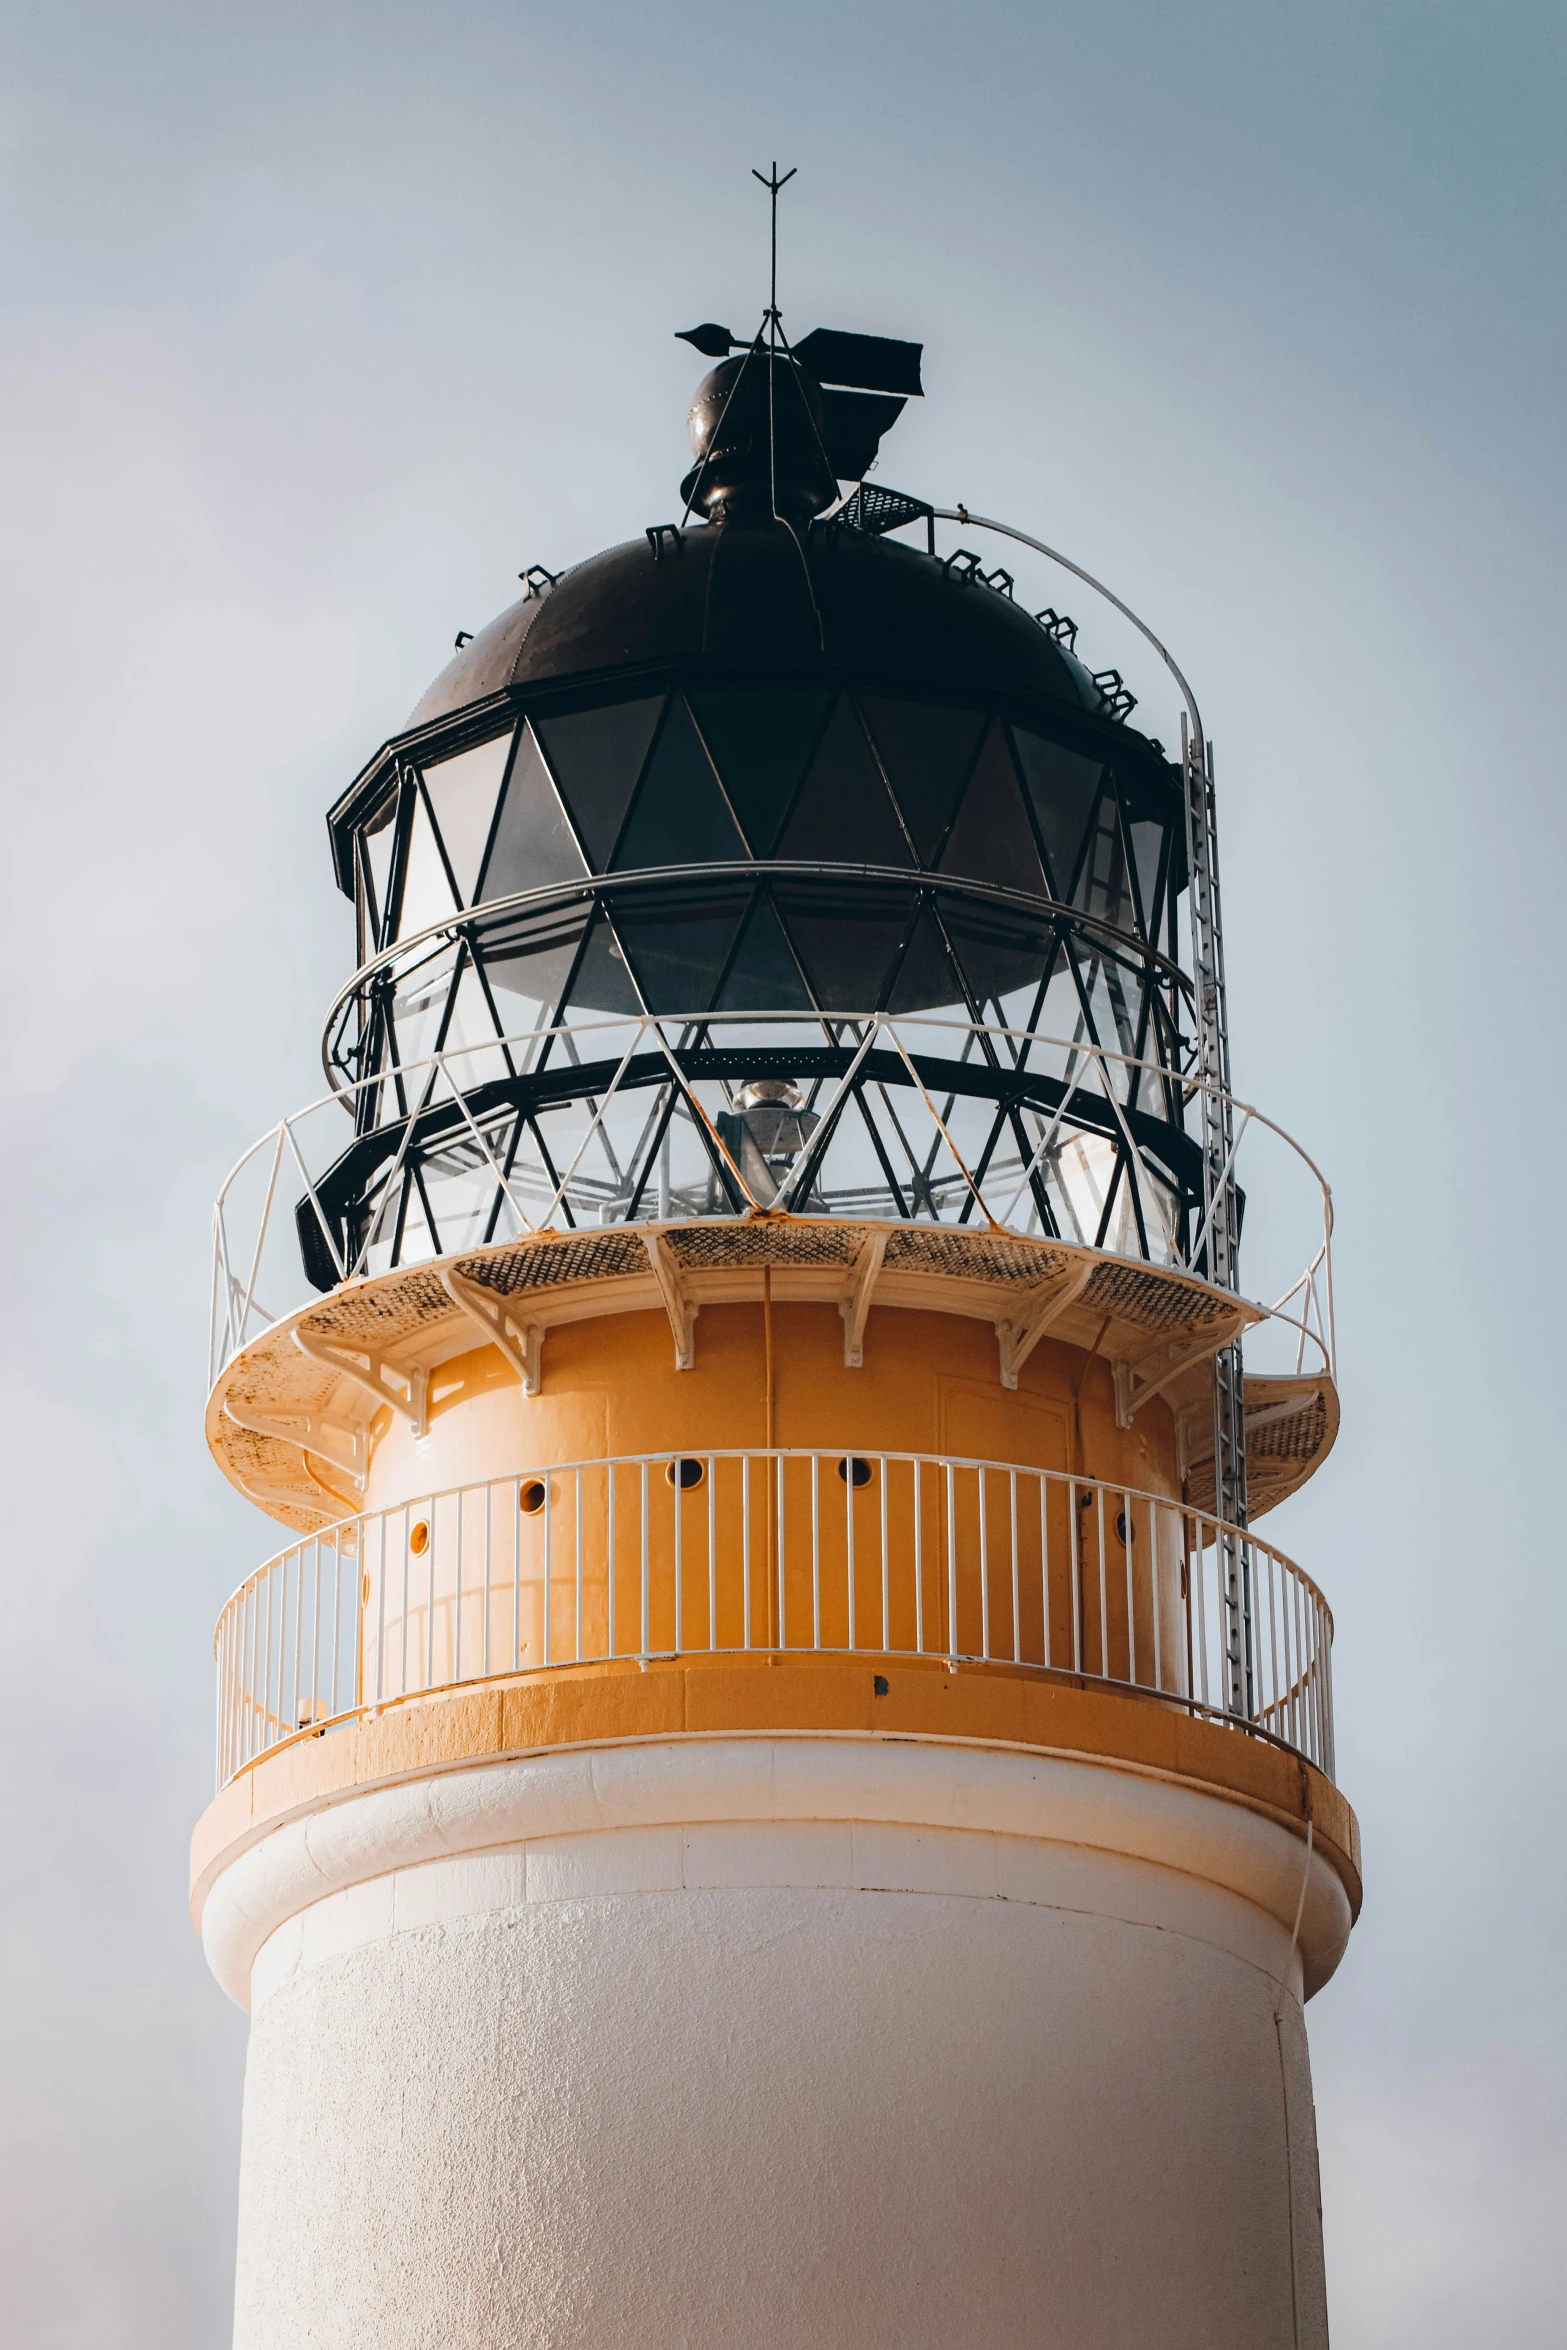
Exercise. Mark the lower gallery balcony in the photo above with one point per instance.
(893, 1593)
(669, 1602)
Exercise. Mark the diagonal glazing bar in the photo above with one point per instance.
(502, 1185)
(700, 1116)
(945, 1136)
(811, 1157)
(596, 1121)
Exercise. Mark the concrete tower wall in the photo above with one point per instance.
(722, 2040)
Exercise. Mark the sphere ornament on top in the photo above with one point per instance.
(758, 426)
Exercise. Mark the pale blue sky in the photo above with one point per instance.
(320, 322)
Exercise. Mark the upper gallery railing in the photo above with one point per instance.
(644, 1119)
(774, 1552)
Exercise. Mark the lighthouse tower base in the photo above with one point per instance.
(783, 2040)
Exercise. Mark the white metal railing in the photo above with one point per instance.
(480, 1194)
(778, 1552)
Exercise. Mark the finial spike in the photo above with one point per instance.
(774, 185)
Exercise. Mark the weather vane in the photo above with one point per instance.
(841, 391)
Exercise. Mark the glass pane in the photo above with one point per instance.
(1086, 1179)
(1114, 1006)
(529, 964)
(764, 976)
(1059, 1020)
(602, 982)
(992, 839)
(1111, 1004)
(999, 951)
(1103, 885)
(921, 1159)
(926, 751)
(415, 1021)
(843, 816)
(597, 756)
(1147, 844)
(679, 817)
(427, 894)
(845, 941)
(926, 980)
(1062, 785)
(1161, 1043)
(468, 1045)
(853, 1178)
(678, 951)
(379, 837)
(760, 742)
(463, 792)
(533, 841)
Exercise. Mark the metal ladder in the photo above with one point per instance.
(1219, 1211)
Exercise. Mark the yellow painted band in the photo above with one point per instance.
(597, 1705)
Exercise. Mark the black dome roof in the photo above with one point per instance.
(754, 597)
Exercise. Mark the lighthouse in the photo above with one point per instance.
(774, 1788)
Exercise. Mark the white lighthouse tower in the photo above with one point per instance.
(775, 1793)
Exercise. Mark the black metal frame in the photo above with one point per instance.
(1163, 986)
(1139, 761)
(1127, 998)
(1033, 941)
(352, 1197)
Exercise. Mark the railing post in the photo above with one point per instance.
(952, 1568)
(816, 1550)
(609, 1537)
(745, 1552)
(643, 1642)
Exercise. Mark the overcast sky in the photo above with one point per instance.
(319, 323)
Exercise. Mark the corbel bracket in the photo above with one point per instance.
(406, 1391)
(347, 1449)
(1041, 1308)
(1288, 1407)
(522, 1343)
(855, 1303)
(1194, 1425)
(1193, 1438)
(1137, 1383)
(677, 1305)
(273, 1497)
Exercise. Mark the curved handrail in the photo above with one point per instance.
(1190, 1083)
(952, 1558)
(1008, 530)
(1219, 1528)
(426, 1073)
(492, 913)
